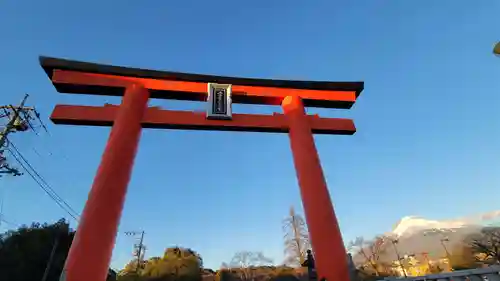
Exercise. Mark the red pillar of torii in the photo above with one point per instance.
(90, 253)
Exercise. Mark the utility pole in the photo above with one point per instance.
(139, 248)
(442, 240)
(51, 258)
(13, 121)
(19, 120)
(400, 260)
(60, 232)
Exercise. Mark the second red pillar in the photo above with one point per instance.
(326, 239)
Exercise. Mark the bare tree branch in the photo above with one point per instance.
(246, 262)
(370, 250)
(296, 239)
(487, 243)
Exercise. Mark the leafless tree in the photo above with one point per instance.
(394, 240)
(246, 261)
(371, 250)
(357, 247)
(296, 239)
(488, 243)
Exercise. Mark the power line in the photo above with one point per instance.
(45, 189)
(2, 219)
(41, 182)
(42, 179)
(52, 196)
(20, 119)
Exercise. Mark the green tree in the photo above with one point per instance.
(25, 253)
(30, 252)
(177, 264)
(185, 263)
(296, 239)
(131, 271)
(153, 268)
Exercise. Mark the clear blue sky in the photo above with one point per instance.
(428, 120)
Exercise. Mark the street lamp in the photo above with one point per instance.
(496, 49)
(394, 242)
(442, 233)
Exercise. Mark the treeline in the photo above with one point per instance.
(182, 264)
(38, 252)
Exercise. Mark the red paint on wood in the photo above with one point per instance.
(90, 253)
(80, 82)
(326, 239)
(188, 120)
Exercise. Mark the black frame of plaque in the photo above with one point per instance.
(219, 100)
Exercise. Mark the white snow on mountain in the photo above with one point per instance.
(412, 224)
(418, 234)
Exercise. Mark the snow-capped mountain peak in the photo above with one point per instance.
(412, 224)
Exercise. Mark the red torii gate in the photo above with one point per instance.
(90, 253)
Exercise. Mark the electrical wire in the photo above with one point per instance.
(7, 222)
(41, 178)
(47, 189)
(41, 182)
(59, 201)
